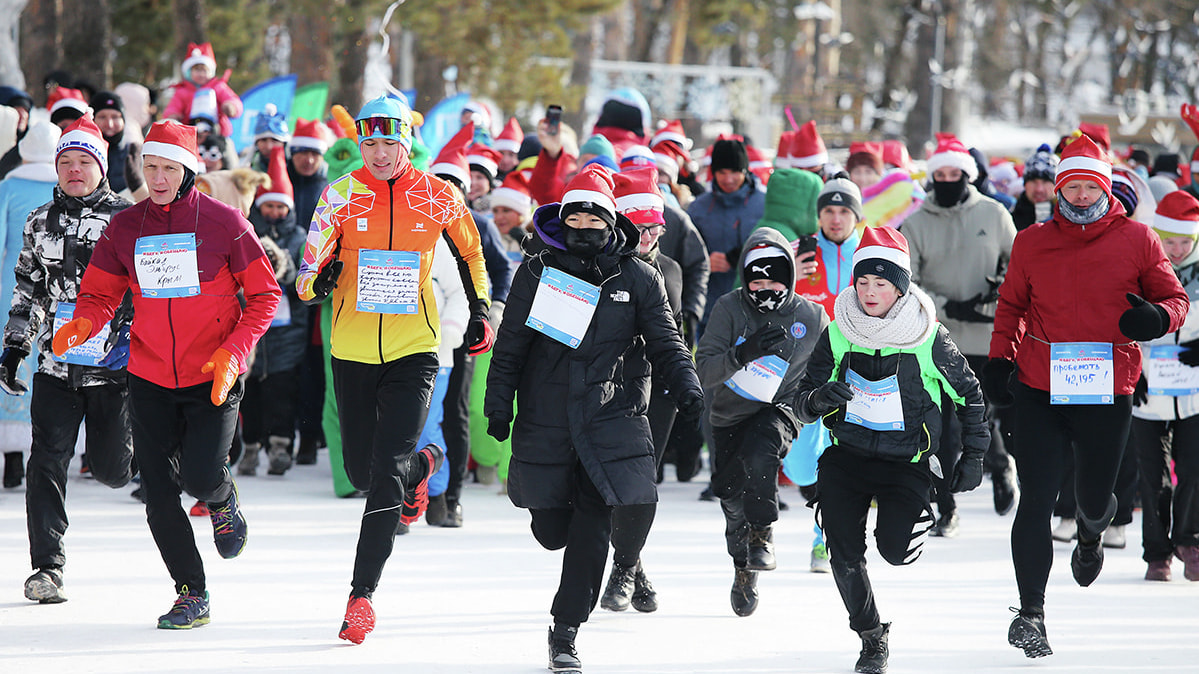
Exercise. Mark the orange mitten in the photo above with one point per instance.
(223, 366)
(72, 334)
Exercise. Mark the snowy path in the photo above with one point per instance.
(477, 599)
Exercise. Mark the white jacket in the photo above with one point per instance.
(452, 308)
(1170, 408)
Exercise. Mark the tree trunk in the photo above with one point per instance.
(893, 62)
(40, 44)
(916, 127)
(311, 47)
(87, 41)
(190, 25)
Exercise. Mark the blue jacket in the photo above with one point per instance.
(499, 270)
(726, 220)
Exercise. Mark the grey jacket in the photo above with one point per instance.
(953, 252)
(732, 317)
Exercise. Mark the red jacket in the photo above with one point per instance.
(621, 139)
(547, 184)
(171, 339)
(1067, 283)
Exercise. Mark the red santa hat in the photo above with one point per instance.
(280, 189)
(308, 136)
(514, 193)
(759, 165)
(884, 252)
(590, 191)
(1177, 215)
(637, 156)
(896, 154)
(198, 55)
(1098, 133)
(782, 156)
(638, 196)
(671, 132)
(482, 158)
(85, 136)
(63, 97)
(807, 148)
(1084, 160)
(862, 153)
(451, 161)
(669, 164)
(510, 138)
(171, 140)
(950, 153)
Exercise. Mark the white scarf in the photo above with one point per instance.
(908, 324)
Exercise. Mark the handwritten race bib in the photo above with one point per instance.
(166, 265)
(563, 307)
(388, 281)
(1081, 373)
(1167, 376)
(90, 352)
(876, 404)
(760, 379)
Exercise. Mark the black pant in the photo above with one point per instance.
(746, 459)
(269, 408)
(311, 407)
(455, 422)
(382, 409)
(181, 441)
(631, 523)
(56, 411)
(847, 483)
(1162, 503)
(1126, 486)
(1046, 435)
(583, 530)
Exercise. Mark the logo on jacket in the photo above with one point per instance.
(418, 227)
(982, 232)
(620, 296)
(362, 224)
(798, 330)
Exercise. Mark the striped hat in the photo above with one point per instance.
(952, 153)
(638, 196)
(85, 136)
(1082, 159)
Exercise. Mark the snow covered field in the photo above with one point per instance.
(477, 599)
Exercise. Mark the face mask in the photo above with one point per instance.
(587, 242)
(1083, 216)
(949, 194)
(767, 300)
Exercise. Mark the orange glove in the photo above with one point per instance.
(72, 334)
(223, 366)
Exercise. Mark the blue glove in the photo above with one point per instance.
(118, 350)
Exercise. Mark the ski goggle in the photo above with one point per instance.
(380, 126)
(209, 153)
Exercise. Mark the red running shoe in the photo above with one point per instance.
(416, 501)
(199, 510)
(359, 620)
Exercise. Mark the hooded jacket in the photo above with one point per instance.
(726, 219)
(733, 317)
(283, 346)
(586, 405)
(1067, 283)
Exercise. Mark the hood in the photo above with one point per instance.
(71, 204)
(791, 200)
(768, 236)
(550, 233)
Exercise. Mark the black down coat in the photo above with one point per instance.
(586, 404)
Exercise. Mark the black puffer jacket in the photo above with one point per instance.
(283, 346)
(586, 404)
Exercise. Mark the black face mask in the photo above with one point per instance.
(587, 242)
(767, 300)
(189, 181)
(949, 194)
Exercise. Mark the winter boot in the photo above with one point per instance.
(1189, 554)
(360, 617)
(416, 499)
(435, 514)
(873, 657)
(306, 454)
(947, 525)
(1027, 632)
(744, 596)
(190, 610)
(820, 562)
(14, 469)
(45, 586)
(1158, 571)
(563, 656)
(760, 542)
(1004, 487)
(248, 466)
(278, 455)
(619, 592)
(228, 526)
(453, 514)
(645, 599)
(1115, 537)
(1087, 560)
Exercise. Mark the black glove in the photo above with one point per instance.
(1144, 321)
(498, 428)
(1189, 355)
(689, 327)
(325, 281)
(992, 294)
(761, 343)
(829, 397)
(10, 361)
(1140, 394)
(968, 473)
(479, 336)
(692, 408)
(997, 378)
(967, 310)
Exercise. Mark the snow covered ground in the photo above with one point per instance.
(477, 599)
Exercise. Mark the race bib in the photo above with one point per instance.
(563, 307)
(90, 352)
(166, 265)
(1081, 373)
(282, 312)
(388, 281)
(760, 379)
(1167, 376)
(876, 404)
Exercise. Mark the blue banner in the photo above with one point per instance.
(442, 122)
(280, 91)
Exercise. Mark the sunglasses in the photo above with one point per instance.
(384, 126)
(209, 153)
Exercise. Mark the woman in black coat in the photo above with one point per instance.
(581, 443)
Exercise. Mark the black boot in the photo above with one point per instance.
(744, 596)
(619, 592)
(14, 469)
(1004, 488)
(435, 514)
(1027, 632)
(306, 454)
(873, 658)
(563, 657)
(1087, 560)
(760, 542)
(645, 599)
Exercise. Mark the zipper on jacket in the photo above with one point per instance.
(391, 223)
(170, 318)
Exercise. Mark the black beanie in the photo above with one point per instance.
(529, 147)
(840, 191)
(766, 262)
(887, 269)
(590, 207)
(107, 100)
(729, 154)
